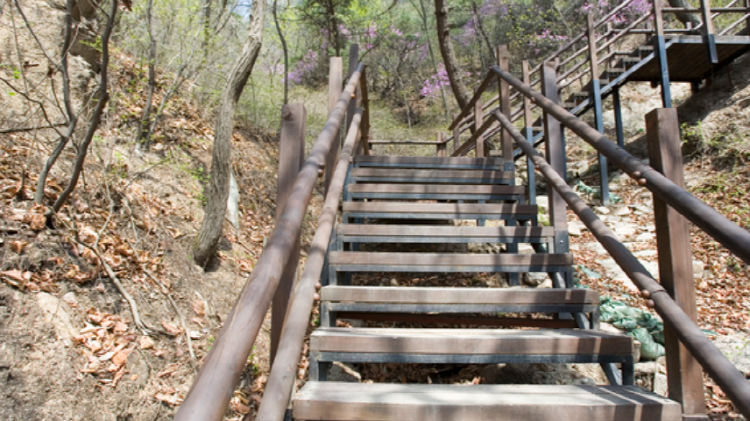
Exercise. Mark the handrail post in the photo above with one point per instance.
(709, 38)
(555, 157)
(441, 147)
(478, 120)
(660, 49)
(352, 108)
(684, 375)
(596, 96)
(529, 134)
(617, 105)
(456, 135)
(365, 126)
(335, 83)
(506, 142)
(291, 157)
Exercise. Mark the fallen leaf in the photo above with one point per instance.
(199, 307)
(121, 327)
(169, 370)
(171, 328)
(168, 399)
(146, 342)
(120, 358)
(18, 246)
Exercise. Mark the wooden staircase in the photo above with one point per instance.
(391, 201)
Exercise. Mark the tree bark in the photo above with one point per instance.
(286, 53)
(685, 18)
(144, 131)
(217, 190)
(449, 56)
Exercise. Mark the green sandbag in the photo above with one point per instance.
(650, 350)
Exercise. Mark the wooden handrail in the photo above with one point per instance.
(732, 382)
(284, 370)
(212, 388)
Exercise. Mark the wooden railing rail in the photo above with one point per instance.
(730, 235)
(283, 374)
(213, 386)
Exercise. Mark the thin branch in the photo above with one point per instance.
(29, 129)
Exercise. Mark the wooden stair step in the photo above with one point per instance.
(429, 162)
(359, 233)
(473, 342)
(337, 401)
(350, 261)
(440, 211)
(435, 192)
(447, 295)
(436, 176)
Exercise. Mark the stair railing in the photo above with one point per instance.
(212, 388)
(730, 235)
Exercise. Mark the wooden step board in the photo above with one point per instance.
(468, 346)
(359, 233)
(429, 162)
(336, 401)
(348, 300)
(351, 261)
(431, 176)
(435, 192)
(441, 211)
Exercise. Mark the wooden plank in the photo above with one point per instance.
(431, 208)
(447, 259)
(443, 295)
(506, 141)
(429, 162)
(675, 258)
(435, 189)
(554, 147)
(416, 402)
(291, 157)
(368, 174)
(478, 121)
(470, 341)
(445, 231)
(457, 319)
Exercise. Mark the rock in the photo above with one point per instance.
(698, 267)
(660, 384)
(645, 253)
(624, 230)
(340, 372)
(574, 229)
(70, 298)
(622, 211)
(534, 279)
(650, 367)
(394, 282)
(543, 203)
(602, 210)
(645, 237)
(608, 328)
(736, 347)
(643, 209)
(55, 312)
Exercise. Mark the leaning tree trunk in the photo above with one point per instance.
(217, 190)
(449, 56)
(685, 18)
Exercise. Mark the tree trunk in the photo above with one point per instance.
(286, 53)
(685, 18)
(449, 56)
(144, 131)
(217, 191)
(423, 15)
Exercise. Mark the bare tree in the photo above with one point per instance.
(96, 117)
(449, 56)
(286, 53)
(217, 190)
(144, 130)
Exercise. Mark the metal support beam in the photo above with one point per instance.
(709, 38)
(529, 133)
(684, 375)
(660, 49)
(618, 117)
(596, 97)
